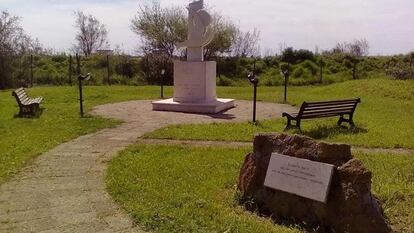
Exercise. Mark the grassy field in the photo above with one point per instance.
(383, 119)
(193, 189)
(22, 139)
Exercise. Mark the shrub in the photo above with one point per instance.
(298, 72)
(224, 81)
(311, 67)
(401, 73)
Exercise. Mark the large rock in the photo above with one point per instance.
(350, 206)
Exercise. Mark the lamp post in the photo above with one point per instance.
(162, 83)
(253, 80)
(80, 79)
(285, 74)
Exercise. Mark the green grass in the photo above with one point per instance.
(383, 119)
(193, 189)
(23, 139)
(180, 189)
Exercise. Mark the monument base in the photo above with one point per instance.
(207, 108)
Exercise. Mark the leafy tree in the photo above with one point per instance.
(160, 29)
(225, 33)
(321, 62)
(411, 57)
(353, 52)
(91, 35)
(292, 56)
(14, 44)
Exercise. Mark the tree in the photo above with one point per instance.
(321, 62)
(246, 43)
(292, 56)
(91, 35)
(14, 44)
(411, 57)
(159, 28)
(353, 52)
(225, 33)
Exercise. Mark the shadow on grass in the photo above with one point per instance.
(322, 132)
(36, 115)
(251, 205)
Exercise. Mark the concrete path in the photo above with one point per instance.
(63, 190)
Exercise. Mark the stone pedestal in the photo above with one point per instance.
(194, 89)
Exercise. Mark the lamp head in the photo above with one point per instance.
(84, 77)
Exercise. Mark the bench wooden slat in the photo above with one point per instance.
(338, 110)
(330, 107)
(336, 113)
(22, 97)
(320, 116)
(330, 103)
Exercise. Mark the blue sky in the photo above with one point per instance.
(387, 25)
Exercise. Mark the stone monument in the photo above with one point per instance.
(350, 205)
(195, 79)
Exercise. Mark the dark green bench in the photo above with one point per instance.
(26, 104)
(314, 110)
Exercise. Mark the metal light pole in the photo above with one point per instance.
(253, 80)
(70, 70)
(285, 74)
(162, 83)
(80, 79)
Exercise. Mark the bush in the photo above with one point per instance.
(401, 73)
(224, 81)
(311, 67)
(298, 72)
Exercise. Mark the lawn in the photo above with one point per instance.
(22, 139)
(193, 189)
(383, 119)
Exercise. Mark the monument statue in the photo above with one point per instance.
(200, 33)
(195, 79)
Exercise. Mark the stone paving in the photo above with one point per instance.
(63, 190)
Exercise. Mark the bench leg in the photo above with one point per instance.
(349, 121)
(341, 120)
(290, 126)
(34, 109)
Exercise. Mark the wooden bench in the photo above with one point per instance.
(27, 105)
(313, 110)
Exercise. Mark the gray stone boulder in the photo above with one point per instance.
(350, 207)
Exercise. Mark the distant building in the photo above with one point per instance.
(104, 51)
